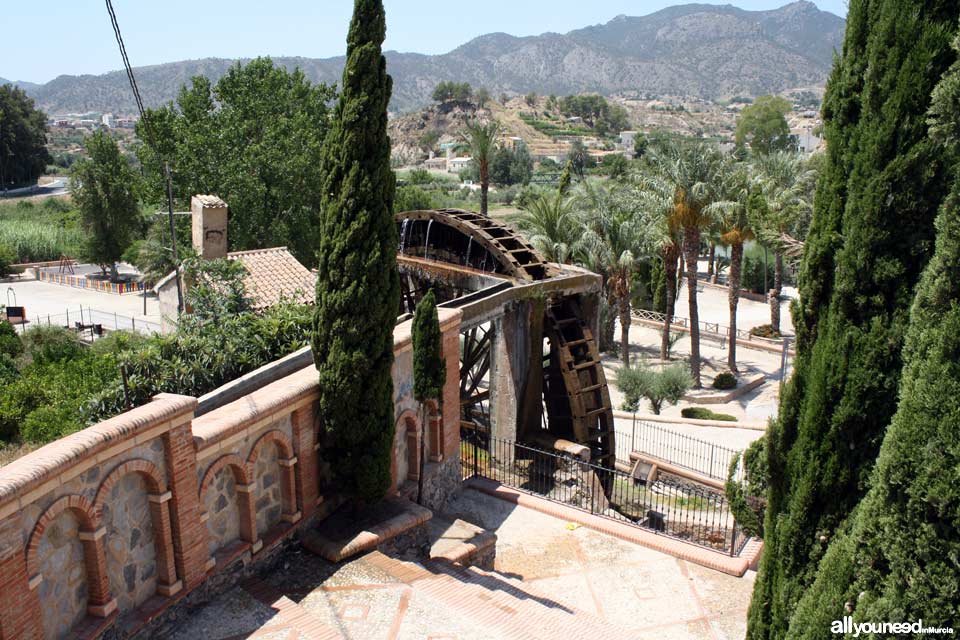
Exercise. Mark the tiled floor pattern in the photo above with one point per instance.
(552, 580)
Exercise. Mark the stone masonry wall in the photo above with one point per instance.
(131, 552)
(124, 519)
(268, 498)
(223, 511)
(63, 595)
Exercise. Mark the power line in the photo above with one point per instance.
(150, 139)
(126, 60)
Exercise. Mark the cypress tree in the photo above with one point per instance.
(358, 289)
(429, 368)
(871, 237)
(906, 531)
(898, 562)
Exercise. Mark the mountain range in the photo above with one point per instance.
(700, 50)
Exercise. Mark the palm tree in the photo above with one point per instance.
(552, 226)
(481, 140)
(787, 184)
(656, 198)
(693, 169)
(617, 239)
(736, 226)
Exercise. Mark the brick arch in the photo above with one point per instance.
(409, 420)
(241, 472)
(276, 436)
(151, 474)
(81, 507)
(288, 481)
(157, 497)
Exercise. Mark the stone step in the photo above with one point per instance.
(457, 541)
(344, 535)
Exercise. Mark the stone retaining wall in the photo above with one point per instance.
(103, 531)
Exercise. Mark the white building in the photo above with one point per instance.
(456, 165)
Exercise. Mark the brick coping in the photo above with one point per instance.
(51, 462)
(735, 566)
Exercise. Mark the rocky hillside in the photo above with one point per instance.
(695, 50)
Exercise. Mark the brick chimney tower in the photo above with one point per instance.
(209, 226)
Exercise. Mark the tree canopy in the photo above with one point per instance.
(763, 127)
(23, 139)
(449, 91)
(255, 140)
(104, 188)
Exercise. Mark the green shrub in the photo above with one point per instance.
(49, 344)
(200, 357)
(751, 276)
(45, 424)
(658, 387)
(10, 344)
(702, 413)
(58, 389)
(747, 496)
(724, 381)
(765, 331)
(7, 258)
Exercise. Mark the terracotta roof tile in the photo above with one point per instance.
(274, 275)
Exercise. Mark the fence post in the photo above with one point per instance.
(633, 436)
(733, 540)
(116, 325)
(476, 457)
(712, 449)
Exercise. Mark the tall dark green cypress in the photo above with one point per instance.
(906, 531)
(871, 238)
(358, 289)
(429, 368)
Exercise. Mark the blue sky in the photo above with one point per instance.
(41, 40)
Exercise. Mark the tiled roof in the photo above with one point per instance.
(274, 275)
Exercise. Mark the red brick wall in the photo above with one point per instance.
(75, 474)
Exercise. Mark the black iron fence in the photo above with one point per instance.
(691, 453)
(666, 505)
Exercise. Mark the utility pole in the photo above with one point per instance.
(173, 240)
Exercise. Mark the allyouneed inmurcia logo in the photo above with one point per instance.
(856, 629)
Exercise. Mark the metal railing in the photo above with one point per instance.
(90, 322)
(685, 451)
(711, 328)
(667, 506)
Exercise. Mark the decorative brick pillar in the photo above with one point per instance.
(450, 404)
(305, 471)
(20, 614)
(248, 516)
(189, 532)
(167, 582)
(288, 490)
(99, 602)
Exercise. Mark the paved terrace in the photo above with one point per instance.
(552, 579)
